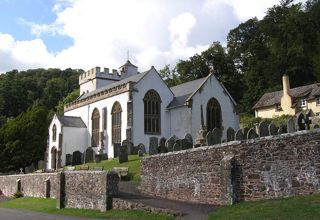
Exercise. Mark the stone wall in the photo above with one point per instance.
(33, 185)
(72, 189)
(269, 167)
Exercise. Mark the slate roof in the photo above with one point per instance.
(70, 121)
(134, 78)
(183, 91)
(272, 98)
(128, 63)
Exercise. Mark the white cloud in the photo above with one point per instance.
(156, 32)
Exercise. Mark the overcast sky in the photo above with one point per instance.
(88, 33)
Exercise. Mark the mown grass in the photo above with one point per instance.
(133, 164)
(49, 206)
(298, 207)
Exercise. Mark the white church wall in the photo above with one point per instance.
(74, 139)
(180, 121)
(213, 89)
(150, 81)
(88, 86)
(85, 112)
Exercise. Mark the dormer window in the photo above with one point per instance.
(303, 102)
(318, 100)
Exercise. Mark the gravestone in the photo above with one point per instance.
(162, 146)
(251, 134)
(142, 148)
(153, 145)
(116, 147)
(76, 158)
(316, 126)
(230, 134)
(177, 146)
(170, 143)
(263, 129)
(30, 169)
(98, 158)
(129, 146)
(89, 155)
(291, 126)
(245, 132)
(282, 129)
(217, 135)
(41, 165)
(68, 159)
(209, 138)
(301, 122)
(185, 144)
(239, 135)
(189, 138)
(123, 154)
(140, 153)
(273, 130)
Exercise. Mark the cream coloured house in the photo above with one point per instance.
(289, 101)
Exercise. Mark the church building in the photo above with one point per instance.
(128, 105)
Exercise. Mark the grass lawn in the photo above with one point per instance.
(49, 206)
(299, 207)
(133, 164)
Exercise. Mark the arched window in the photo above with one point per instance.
(95, 127)
(213, 114)
(116, 123)
(152, 112)
(54, 132)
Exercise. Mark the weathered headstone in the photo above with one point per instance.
(68, 159)
(291, 126)
(230, 134)
(30, 169)
(41, 165)
(129, 146)
(170, 142)
(153, 145)
(142, 148)
(177, 146)
(98, 158)
(282, 129)
(239, 135)
(116, 147)
(189, 138)
(185, 144)
(140, 153)
(217, 135)
(76, 158)
(301, 122)
(245, 131)
(123, 154)
(89, 155)
(251, 134)
(162, 146)
(273, 130)
(316, 126)
(263, 129)
(209, 138)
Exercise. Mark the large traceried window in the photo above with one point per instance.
(54, 132)
(152, 112)
(213, 114)
(95, 127)
(116, 122)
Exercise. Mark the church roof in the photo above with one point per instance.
(272, 98)
(134, 78)
(183, 91)
(70, 121)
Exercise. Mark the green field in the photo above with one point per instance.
(298, 207)
(133, 164)
(49, 206)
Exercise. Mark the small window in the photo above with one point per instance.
(54, 133)
(152, 113)
(318, 100)
(303, 102)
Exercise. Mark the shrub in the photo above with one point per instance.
(18, 194)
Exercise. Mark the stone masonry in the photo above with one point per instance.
(268, 167)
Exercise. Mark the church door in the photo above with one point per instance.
(116, 123)
(54, 158)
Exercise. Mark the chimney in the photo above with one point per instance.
(286, 84)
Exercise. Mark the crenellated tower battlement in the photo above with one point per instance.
(97, 73)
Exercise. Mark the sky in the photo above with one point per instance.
(88, 33)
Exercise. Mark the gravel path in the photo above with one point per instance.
(192, 211)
